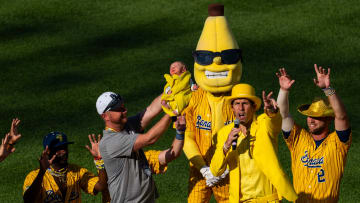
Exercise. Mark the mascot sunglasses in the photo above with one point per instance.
(229, 56)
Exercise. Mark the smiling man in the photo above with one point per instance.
(318, 156)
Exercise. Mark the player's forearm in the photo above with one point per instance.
(341, 118)
(172, 153)
(101, 185)
(32, 193)
(283, 104)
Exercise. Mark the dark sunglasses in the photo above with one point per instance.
(115, 104)
(229, 56)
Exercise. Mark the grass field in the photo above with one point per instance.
(57, 57)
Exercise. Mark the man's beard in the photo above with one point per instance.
(61, 161)
(317, 131)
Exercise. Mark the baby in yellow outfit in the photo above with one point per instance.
(177, 91)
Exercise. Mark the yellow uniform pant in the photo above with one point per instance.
(199, 192)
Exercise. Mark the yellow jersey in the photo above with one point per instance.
(205, 115)
(317, 172)
(77, 178)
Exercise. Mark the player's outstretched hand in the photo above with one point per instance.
(94, 150)
(285, 81)
(270, 104)
(5, 149)
(322, 77)
(14, 134)
(44, 159)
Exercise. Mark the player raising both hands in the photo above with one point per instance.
(318, 156)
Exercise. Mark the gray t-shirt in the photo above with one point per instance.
(129, 174)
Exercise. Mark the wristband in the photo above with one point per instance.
(99, 164)
(181, 132)
(179, 136)
(329, 91)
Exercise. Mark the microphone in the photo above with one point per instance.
(236, 125)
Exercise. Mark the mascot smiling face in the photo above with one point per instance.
(217, 57)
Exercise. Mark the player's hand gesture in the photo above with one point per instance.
(5, 150)
(270, 105)
(323, 77)
(14, 134)
(284, 79)
(94, 150)
(44, 159)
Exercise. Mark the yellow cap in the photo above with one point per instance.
(244, 91)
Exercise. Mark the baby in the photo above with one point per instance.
(177, 91)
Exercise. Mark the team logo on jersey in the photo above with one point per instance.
(312, 162)
(202, 124)
(52, 197)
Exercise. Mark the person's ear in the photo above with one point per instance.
(105, 116)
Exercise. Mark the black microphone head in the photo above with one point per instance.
(236, 123)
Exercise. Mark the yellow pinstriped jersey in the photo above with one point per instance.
(204, 115)
(152, 156)
(317, 172)
(77, 178)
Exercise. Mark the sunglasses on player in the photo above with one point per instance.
(229, 56)
(115, 104)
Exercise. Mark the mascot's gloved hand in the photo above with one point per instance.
(213, 181)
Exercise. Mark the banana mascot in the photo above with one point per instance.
(217, 69)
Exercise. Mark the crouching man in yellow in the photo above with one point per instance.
(248, 147)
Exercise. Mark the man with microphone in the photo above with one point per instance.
(248, 147)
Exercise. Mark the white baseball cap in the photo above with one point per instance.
(106, 101)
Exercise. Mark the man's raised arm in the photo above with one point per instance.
(323, 81)
(285, 83)
(151, 112)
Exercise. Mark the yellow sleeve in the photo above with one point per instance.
(265, 156)
(191, 148)
(152, 156)
(29, 180)
(218, 161)
(272, 123)
(88, 181)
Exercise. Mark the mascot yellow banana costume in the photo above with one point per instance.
(217, 68)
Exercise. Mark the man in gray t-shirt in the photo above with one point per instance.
(129, 169)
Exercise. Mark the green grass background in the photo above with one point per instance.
(58, 56)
